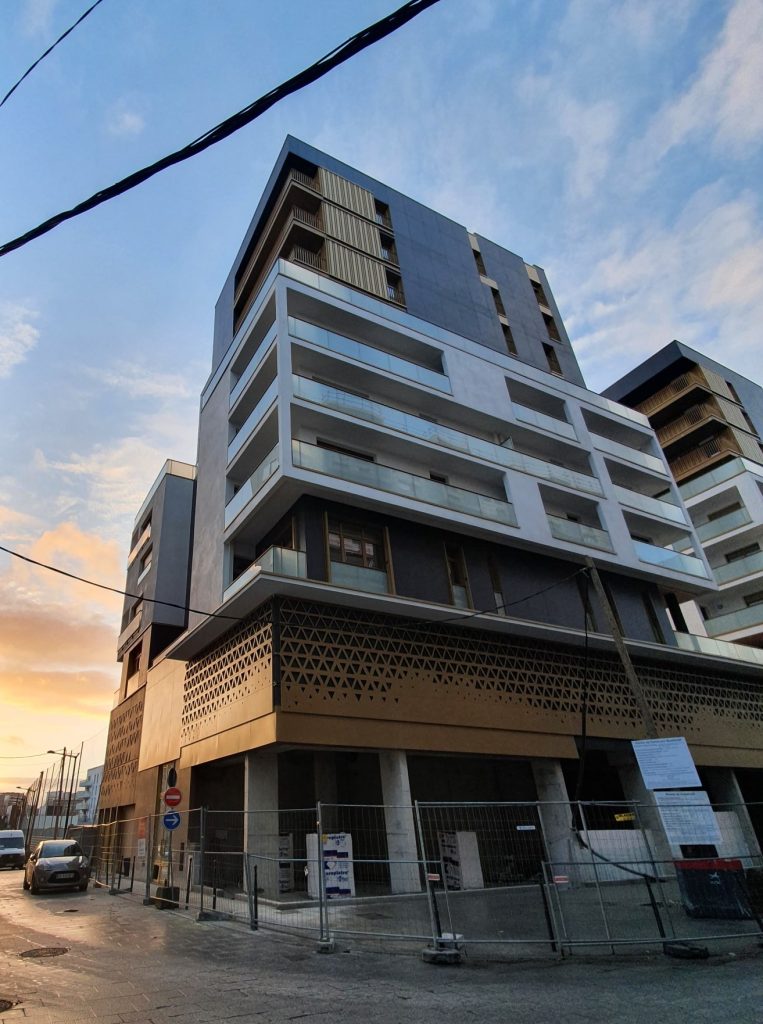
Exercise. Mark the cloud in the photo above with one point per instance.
(36, 15)
(124, 123)
(140, 381)
(723, 101)
(75, 694)
(698, 278)
(18, 335)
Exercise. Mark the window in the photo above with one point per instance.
(552, 359)
(395, 288)
(508, 337)
(754, 598)
(725, 511)
(735, 556)
(495, 582)
(341, 450)
(540, 295)
(381, 213)
(498, 302)
(551, 329)
(654, 622)
(459, 583)
(388, 250)
(356, 544)
(439, 478)
(133, 660)
(145, 562)
(480, 262)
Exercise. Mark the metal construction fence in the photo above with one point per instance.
(518, 878)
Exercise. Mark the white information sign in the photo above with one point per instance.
(666, 763)
(688, 818)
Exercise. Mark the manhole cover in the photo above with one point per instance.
(6, 1004)
(45, 951)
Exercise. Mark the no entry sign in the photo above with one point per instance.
(172, 796)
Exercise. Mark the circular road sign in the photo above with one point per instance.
(172, 796)
(171, 820)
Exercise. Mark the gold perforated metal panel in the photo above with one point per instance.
(122, 750)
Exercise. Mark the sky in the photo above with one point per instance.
(616, 143)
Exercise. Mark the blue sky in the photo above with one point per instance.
(616, 144)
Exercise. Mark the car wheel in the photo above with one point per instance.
(25, 883)
(83, 886)
(34, 886)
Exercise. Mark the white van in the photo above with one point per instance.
(12, 848)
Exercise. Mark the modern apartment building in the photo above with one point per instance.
(400, 478)
(709, 421)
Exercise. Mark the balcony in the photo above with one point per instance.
(252, 421)
(667, 558)
(308, 258)
(144, 572)
(633, 455)
(368, 355)
(251, 368)
(748, 619)
(146, 535)
(548, 424)
(719, 475)
(725, 524)
(129, 631)
(447, 437)
(693, 378)
(406, 485)
(652, 506)
(725, 446)
(247, 491)
(276, 560)
(739, 568)
(579, 533)
(358, 577)
(694, 418)
(719, 648)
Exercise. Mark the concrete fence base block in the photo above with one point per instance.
(326, 946)
(441, 955)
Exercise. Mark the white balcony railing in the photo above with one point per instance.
(666, 558)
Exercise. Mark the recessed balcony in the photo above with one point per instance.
(276, 560)
(329, 397)
(129, 631)
(251, 486)
(367, 354)
(252, 367)
(724, 524)
(667, 558)
(407, 485)
(548, 424)
(359, 577)
(750, 565)
(253, 420)
(579, 533)
(632, 455)
(652, 506)
(747, 619)
(144, 537)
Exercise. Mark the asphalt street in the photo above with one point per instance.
(129, 964)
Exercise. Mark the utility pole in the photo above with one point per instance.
(60, 788)
(33, 813)
(76, 764)
(650, 727)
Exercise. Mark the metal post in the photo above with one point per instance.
(595, 874)
(433, 916)
(33, 815)
(322, 908)
(149, 859)
(58, 797)
(202, 857)
(189, 869)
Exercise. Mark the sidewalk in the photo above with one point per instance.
(126, 964)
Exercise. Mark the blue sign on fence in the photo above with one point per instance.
(171, 820)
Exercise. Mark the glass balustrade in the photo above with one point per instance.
(447, 437)
(743, 618)
(543, 421)
(739, 567)
(628, 454)
(252, 421)
(367, 354)
(247, 491)
(252, 366)
(725, 524)
(719, 648)
(358, 577)
(669, 559)
(276, 560)
(654, 506)
(407, 485)
(719, 475)
(579, 533)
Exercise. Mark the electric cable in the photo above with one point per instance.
(50, 49)
(341, 53)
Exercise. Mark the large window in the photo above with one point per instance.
(353, 544)
(459, 582)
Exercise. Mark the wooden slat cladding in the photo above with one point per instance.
(355, 269)
(352, 230)
(346, 193)
(732, 413)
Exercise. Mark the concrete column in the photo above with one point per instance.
(401, 828)
(556, 812)
(635, 790)
(725, 790)
(261, 830)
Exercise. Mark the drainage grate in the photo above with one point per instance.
(45, 951)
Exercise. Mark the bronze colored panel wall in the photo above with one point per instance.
(231, 684)
(160, 738)
(360, 665)
(122, 751)
(352, 230)
(346, 193)
(360, 271)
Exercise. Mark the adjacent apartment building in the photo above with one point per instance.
(401, 476)
(709, 422)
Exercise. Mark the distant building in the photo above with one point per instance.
(709, 421)
(401, 476)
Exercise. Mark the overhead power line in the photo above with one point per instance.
(238, 618)
(50, 49)
(341, 53)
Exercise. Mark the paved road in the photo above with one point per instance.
(127, 964)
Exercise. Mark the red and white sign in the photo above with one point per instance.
(172, 796)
